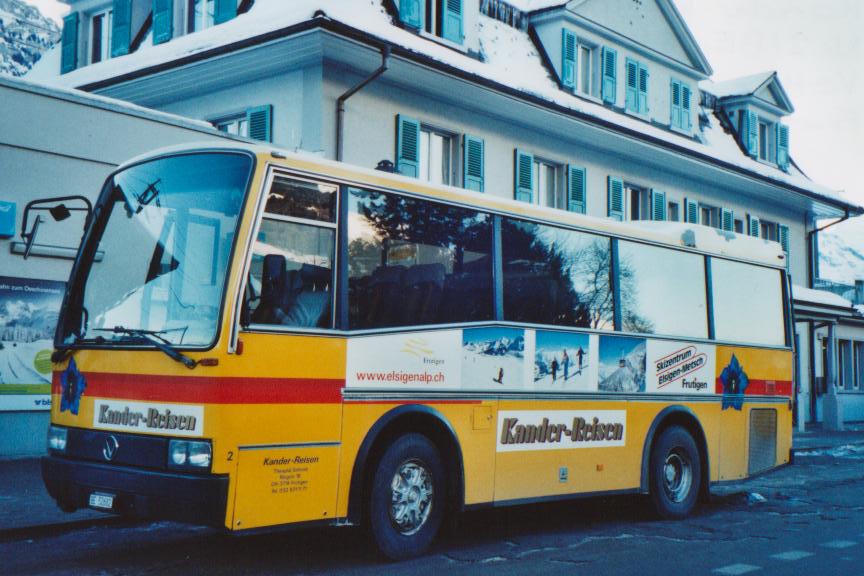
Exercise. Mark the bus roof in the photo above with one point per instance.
(677, 234)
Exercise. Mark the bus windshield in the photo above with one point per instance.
(157, 258)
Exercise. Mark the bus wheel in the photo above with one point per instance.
(408, 497)
(676, 473)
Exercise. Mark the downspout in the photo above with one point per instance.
(814, 253)
(340, 102)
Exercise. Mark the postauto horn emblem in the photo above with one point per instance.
(110, 448)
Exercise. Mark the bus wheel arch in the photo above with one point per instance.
(686, 419)
(399, 422)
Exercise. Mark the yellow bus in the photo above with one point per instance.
(253, 339)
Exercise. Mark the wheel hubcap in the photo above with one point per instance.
(677, 475)
(412, 497)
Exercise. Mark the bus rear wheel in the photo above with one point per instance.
(408, 497)
(676, 473)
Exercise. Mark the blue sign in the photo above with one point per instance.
(7, 219)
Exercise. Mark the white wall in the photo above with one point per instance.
(54, 143)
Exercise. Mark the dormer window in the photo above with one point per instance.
(577, 64)
(100, 36)
(764, 141)
(201, 14)
(443, 18)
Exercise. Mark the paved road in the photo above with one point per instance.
(811, 522)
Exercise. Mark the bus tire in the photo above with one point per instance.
(408, 497)
(676, 473)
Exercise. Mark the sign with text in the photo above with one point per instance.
(28, 318)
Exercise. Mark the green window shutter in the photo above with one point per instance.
(472, 163)
(121, 32)
(727, 220)
(576, 189)
(524, 176)
(608, 86)
(751, 133)
(452, 25)
(615, 197)
(783, 234)
(686, 122)
(631, 101)
(754, 226)
(225, 10)
(783, 146)
(568, 58)
(658, 205)
(675, 104)
(411, 13)
(407, 146)
(69, 44)
(643, 89)
(691, 211)
(163, 21)
(260, 121)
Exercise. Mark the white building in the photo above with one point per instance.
(600, 106)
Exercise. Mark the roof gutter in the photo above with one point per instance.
(340, 102)
(366, 38)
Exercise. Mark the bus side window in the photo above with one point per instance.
(292, 271)
(416, 262)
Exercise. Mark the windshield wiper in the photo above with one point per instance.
(154, 337)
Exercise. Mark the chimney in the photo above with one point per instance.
(859, 292)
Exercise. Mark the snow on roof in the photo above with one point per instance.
(510, 59)
(743, 86)
(812, 296)
(532, 5)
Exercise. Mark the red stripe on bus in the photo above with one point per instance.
(762, 387)
(210, 390)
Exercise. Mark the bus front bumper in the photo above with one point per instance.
(138, 493)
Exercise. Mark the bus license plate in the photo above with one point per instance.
(103, 501)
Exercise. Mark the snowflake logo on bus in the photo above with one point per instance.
(735, 382)
(72, 385)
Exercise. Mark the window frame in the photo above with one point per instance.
(261, 214)
(453, 150)
(107, 16)
(560, 191)
(593, 67)
(190, 15)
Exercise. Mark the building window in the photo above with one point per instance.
(237, 125)
(709, 216)
(680, 98)
(436, 155)
(637, 88)
(201, 14)
(739, 226)
(586, 69)
(100, 36)
(859, 364)
(441, 18)
(638, 203)
(768, 230)
(673, 212)
(763, 141)
(548, 188)
(846, 376)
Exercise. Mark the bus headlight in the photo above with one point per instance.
(57, 438)
(189, 454)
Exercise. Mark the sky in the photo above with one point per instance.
(814, 45)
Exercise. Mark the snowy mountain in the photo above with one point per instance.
(841, 252)
(627, 375)
(499, 347)
(25, 34)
